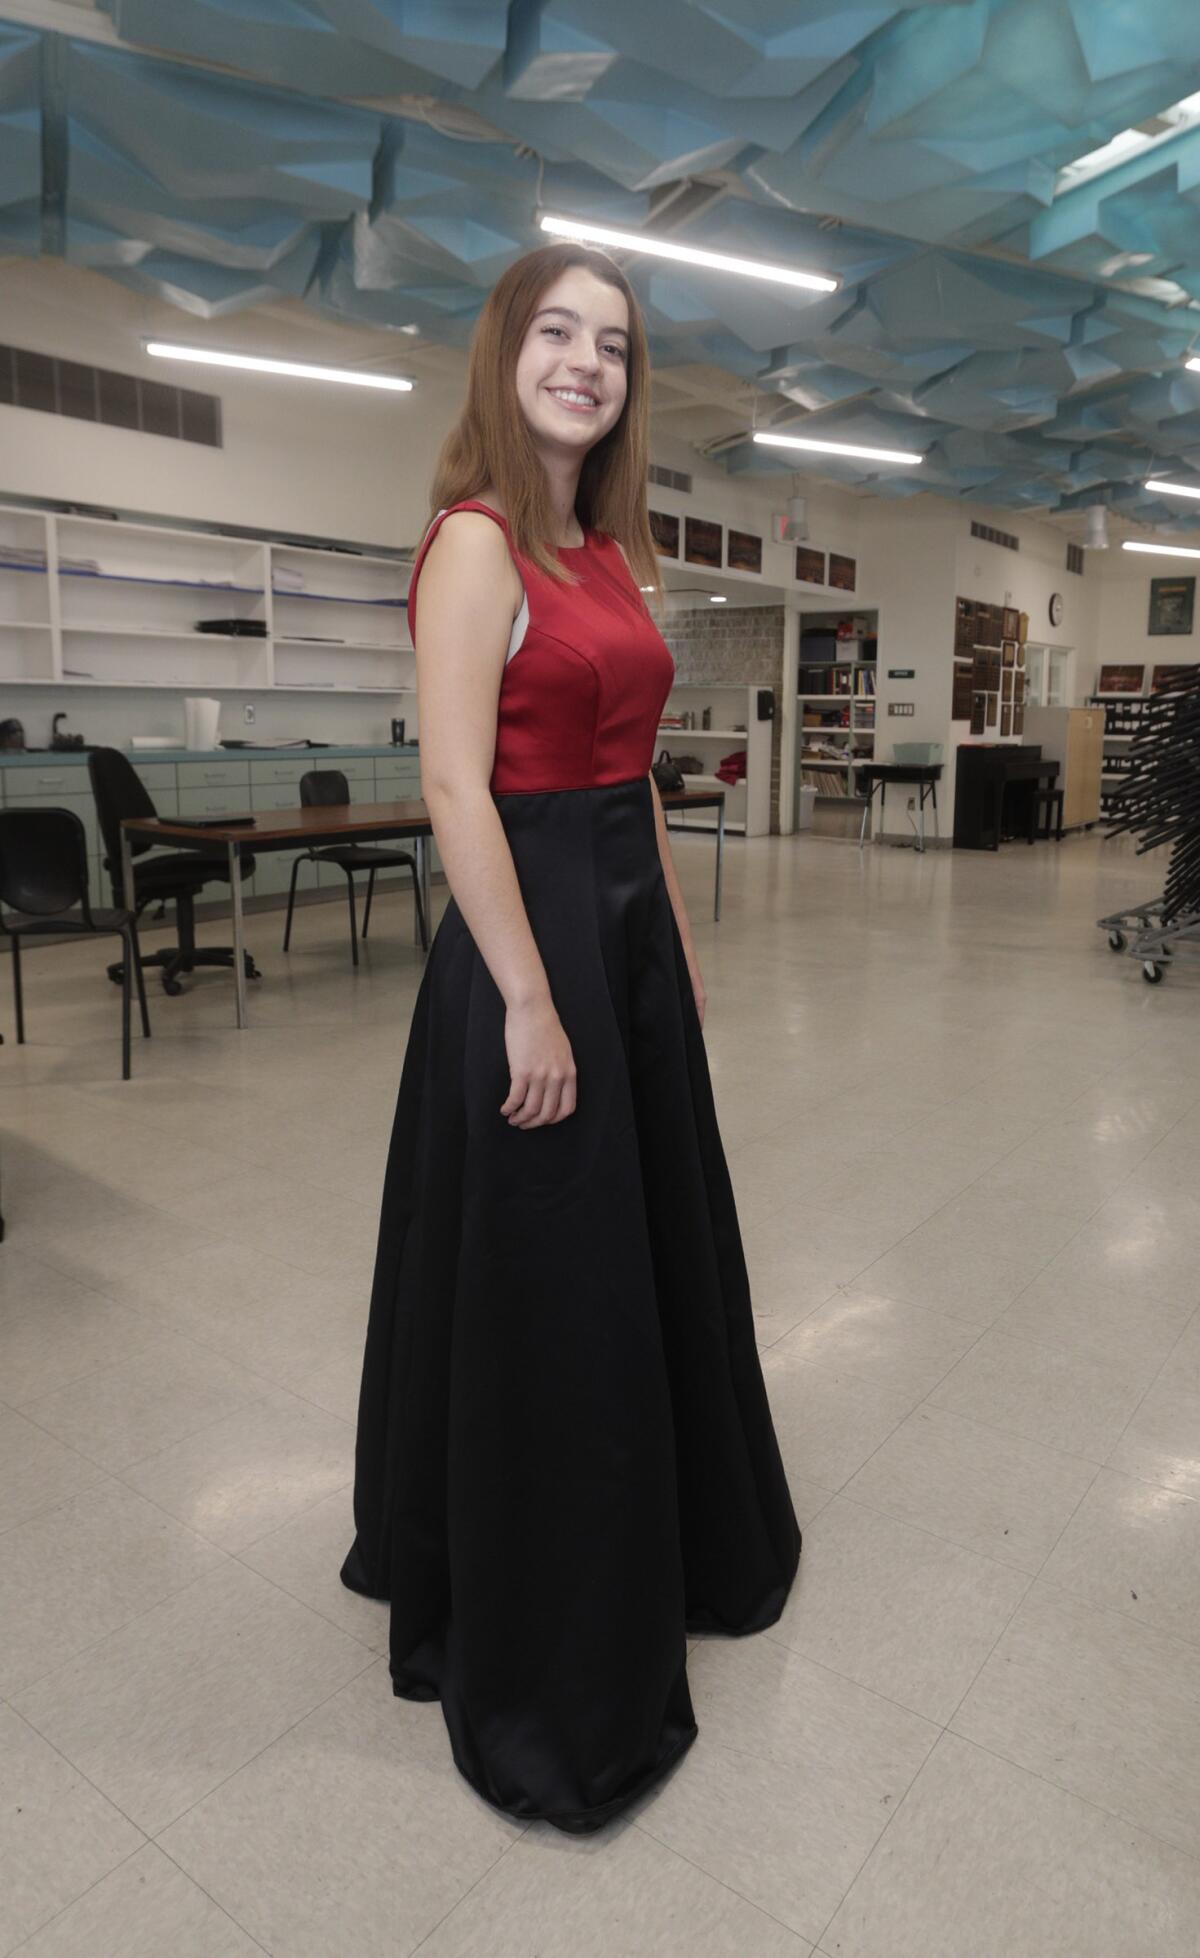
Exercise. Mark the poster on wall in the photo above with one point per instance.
(743, 552)
(1164, 678)
(810, 565)
(1122, 679)
(1010, 623)
(1172, 603)
(702, 542)
(842, 572)
(978, 712)
(1018, 717)
(1006, 721)
(991, 710)
(1009, 650)
(665, 530)
(1008, 685)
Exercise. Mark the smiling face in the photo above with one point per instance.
(572, 369)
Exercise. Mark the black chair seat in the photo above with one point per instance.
(178, 865)
(44, 894)
(160, 877)
(66, 922)
(360, 856)
(328, 789)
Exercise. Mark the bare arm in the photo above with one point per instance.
(469, 594)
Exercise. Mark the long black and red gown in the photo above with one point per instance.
(565, 1456)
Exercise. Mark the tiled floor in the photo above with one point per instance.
(966, 1145)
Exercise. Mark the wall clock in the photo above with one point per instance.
(1056, 608)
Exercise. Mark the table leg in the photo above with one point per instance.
(937, 832)
(239, 940)
(921, 820)
(720, 858)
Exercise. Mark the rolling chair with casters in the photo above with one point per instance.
(328, 788)
(162, 879)
(44, 881)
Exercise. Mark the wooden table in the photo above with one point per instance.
(358, 822)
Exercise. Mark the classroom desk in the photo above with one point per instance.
(877, 775)
(360, 822)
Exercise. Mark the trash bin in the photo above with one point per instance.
(806, 803)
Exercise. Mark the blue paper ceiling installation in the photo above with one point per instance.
(1008, 192)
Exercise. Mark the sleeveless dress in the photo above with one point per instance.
(565, 1457)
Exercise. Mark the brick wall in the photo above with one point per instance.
(727, 644)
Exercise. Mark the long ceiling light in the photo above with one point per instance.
(298, 370)
(1172, 489)
(835, 448)
(1160, 550)
(1173, 121)
(635, 241)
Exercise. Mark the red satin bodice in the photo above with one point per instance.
(581, 697)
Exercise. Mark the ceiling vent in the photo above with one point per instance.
(97, 394)
(1004, 538)
(669, 478)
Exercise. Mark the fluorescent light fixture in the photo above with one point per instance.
(1130, 142)
(1160, 550)
(297, 370)
(835, 448)
(1172, 489)
(717, 598)
(645, 587)
(634, 241)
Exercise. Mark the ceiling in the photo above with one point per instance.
(380, 162)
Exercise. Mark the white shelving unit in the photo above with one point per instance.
(748, 802)
(99, 602)
(834, 779)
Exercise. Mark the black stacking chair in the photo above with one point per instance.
(44, 883)
(173, 877)
(327, 788)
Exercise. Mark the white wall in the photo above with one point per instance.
(1125, 610)
(330, 461)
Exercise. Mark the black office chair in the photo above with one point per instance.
(327, 788)
(176, 877)
(43, 878)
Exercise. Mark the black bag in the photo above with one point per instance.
(666, 774)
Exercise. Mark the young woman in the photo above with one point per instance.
(565, 1453)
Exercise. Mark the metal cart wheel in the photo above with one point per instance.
(1116, 941)
(1152, 973)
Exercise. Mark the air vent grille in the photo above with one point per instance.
(1075, 558)
(1004, 538)
(96, 394)
(675, 479)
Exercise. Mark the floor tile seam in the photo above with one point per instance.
(701, 1870)
(1021, 1336)
(1108, 1461)
(14, 1951)
(154, 1330)
(155, 1836)
(126, 1468)
(953, 1734)
(882, 1833)
(1183, 1331)
(925, 1529)
(469, 1891)
(771, 1633)
(1120, 1617)
(84, 1776)
(1137, 1822)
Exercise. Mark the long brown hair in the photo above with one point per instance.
(491, 441)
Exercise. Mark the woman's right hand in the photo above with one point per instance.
(541, 1066)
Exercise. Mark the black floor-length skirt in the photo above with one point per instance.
(565, 1453)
